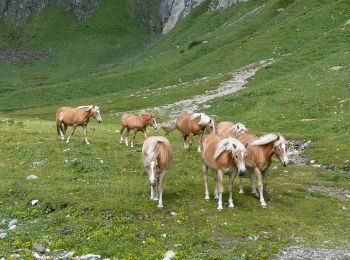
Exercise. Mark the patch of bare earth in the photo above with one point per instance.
(239, 79)
(15, 54)
(334, 192)
(297, 253)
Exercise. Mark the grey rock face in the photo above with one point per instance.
(18, 11)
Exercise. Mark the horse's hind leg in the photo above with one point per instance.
(184, 137)
(60, 130)
(230, 200)
(133, 137)
(200, 142)
(121, 133)
(205, 177)
(260, 187)
(216, 190)
(220, 175)
(160, 189)
(74, 127)
(126, 136)
(252, 183)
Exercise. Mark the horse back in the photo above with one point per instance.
(225, 129)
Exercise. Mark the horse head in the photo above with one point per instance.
(239, 128)
(153, 122)
(280, 150)
(96, 113)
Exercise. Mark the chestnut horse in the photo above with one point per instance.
(223, 155)
(156, 157)
(136, 123)
(260, 152)
(80, 116)
(190, 125)
(229, 129)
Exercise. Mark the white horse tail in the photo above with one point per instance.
(168, 127)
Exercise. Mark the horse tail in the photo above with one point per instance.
(168, 127)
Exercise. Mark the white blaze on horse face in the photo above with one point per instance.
(284, 157)
(154, 123)
(97, 114)
(240, 163)
(151, 174)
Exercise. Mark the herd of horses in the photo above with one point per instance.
(228, 149)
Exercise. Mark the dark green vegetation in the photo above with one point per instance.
(103, 60)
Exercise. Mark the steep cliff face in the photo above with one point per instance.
(18, 11)
(172, 11)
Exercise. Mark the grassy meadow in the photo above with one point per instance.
(95, 198)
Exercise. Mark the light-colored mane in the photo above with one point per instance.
(151, 152)
(145, 114)
(239, 127)
(205, 120)
(229, 144)
(87, 108)
(268, 138)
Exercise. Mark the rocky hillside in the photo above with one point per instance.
(160, 15)
(18, 11)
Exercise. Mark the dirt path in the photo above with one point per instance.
(239, 79)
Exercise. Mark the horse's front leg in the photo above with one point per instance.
(205, 177)
(260, 186)
(241, 191)
(74, 127)
(200, 142)
(230, 200)
(85, 134)
(216, 188)
(160, 188)
(220, 176)
(133, 137)
(145, 133)
(190, 139)
(121, 133)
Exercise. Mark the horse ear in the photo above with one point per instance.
(160, 141)
(246, 145)
(278, 137)
(234, 146)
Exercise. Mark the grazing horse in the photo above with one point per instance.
(228, 129)
(223, 155)
(80, 116)
(260, 152)
(156, 157)
(136, 123)
(190, 125)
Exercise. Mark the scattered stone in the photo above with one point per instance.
(89, 257)
(164, 235)
(12, 222)
(335, 68)
(3, 235)
(312, 161)
(12, 227)
(169, 255)
(253, 237)
(34, 202)
(69, 254)
(299, 253)
(38, 164)
(32, 177)
(340, 206)
(335, 192)
(38, 247)
(173, 213)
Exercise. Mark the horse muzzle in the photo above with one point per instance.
(241, 173)
(99, 121)
(152, 183)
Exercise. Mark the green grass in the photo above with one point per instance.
(110, 213)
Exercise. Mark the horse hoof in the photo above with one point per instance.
(241, 192)
(155, 198)
(207, 197)
(264, 206)
(231, 206)
(160, 206)
(220, 208)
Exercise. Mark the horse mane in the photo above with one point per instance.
(145, 114)
(205, 120)
(238, 127)
(228, 144)
(87, 107)
(150, 151)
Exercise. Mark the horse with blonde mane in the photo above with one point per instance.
(229, 129)
(136, 123)
(156, 157)
(80, 116)
(190, 125)
(223, 155)
(260, 151)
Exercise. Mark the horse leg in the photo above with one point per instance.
(230, 200)
(134, 132)
(220, 175)
(190, 139)
(260, 187)
(126, 136)
(85, 134)
(60, 131)
(264, 179)
(121, 133)
(184, 137)
(205, 177)
(145, 133)
(160, 188)
(241, 191)
(252, 183)
(200, 142)
(216, 191)
(74, 127)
